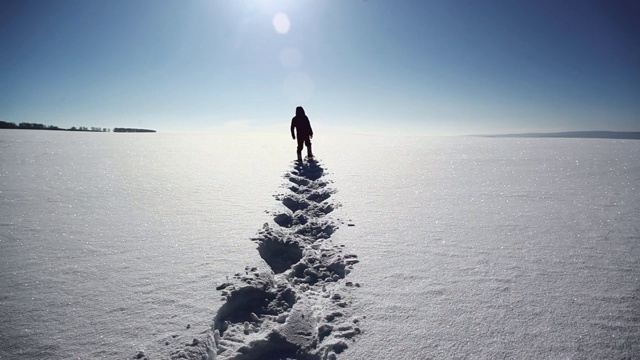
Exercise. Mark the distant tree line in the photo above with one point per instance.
(34, 126)
(132, 130)
(84, 128)
(29, 126)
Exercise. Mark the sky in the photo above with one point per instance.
(364, 66)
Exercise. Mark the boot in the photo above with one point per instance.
(300, 156)
(309, 154)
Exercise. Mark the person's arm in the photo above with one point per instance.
(293, 135)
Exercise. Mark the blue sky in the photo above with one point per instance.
(406, 67)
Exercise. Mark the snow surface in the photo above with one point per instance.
(167, 245)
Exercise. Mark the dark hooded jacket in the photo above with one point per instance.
(301, 123)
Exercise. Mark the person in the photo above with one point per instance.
(303, 129)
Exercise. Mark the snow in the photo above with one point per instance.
(114, 245)
(494, 249)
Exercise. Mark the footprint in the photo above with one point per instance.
(279, 254)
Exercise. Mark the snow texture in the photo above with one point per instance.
(300, 307)
(120, 246)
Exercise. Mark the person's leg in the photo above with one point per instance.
(308, 144)
(299, 149)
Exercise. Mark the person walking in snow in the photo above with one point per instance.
(303, 129)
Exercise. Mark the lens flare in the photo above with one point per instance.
(281, 23)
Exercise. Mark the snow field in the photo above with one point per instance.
(481, 249)
(114, 246)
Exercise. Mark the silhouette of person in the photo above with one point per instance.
(303, 128)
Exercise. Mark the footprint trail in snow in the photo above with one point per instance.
(300, 309)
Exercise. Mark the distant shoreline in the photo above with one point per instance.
(35, 126)
(621, 135)
(129, 130)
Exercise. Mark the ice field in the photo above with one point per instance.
(114, 245)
